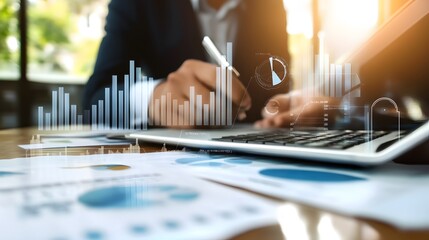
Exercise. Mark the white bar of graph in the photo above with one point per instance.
(115, 102)
(338, 80)
(157, 115)
(199, 110)
(218, 92)
(326, 74)
(48, 121)
(347, 88)
(317, 76)
(151, 86)
(332, 80)
(73, 113)
(229, 96)
(94, 117)
(191, 106)
(163, 110)
(186, 113)
(310, 74)
(304, 87)
(206, 115)
(223, 95)
(212, 109)
(67, 111)
(181, 115)
(60, 108)
(168, 109)
(121, 109)
(174, 112)
(145, 103)
(132, 98)
(138, 99)
(127, 102)
(229, 53)
(40, 117)
(100, 114)
(79, 122)
(347, 77)
(54, 109)
(107, 108)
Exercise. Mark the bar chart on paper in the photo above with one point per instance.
(129, 104)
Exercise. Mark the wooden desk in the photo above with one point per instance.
(297, 221)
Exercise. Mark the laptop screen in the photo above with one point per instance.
(398, 62)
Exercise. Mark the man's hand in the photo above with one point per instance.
(279, 109)
(202, 76)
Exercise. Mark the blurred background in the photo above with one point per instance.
(45, 44)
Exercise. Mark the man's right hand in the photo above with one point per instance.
(202, 76)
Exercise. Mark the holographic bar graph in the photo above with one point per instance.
(195, 112)
(128, 104)
(324, 78)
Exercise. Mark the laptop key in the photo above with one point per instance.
(318, 144)
(275, 143)
(223, 139)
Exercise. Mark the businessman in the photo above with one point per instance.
(164, 38)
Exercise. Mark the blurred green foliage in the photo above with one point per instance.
(49, 27)
(55, 43)
(7, 15)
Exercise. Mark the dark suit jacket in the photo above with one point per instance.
(160, 34)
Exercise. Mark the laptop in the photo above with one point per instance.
(403, 37)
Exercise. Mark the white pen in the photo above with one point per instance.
(216, 55)
(220, 59)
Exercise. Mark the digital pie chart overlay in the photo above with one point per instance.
(104, 167)
(141, 196)
(8, 174)
(308, 175)
(271, 72)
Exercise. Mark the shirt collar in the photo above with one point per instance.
(202, 6)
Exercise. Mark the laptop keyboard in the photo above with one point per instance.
(326, 139)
